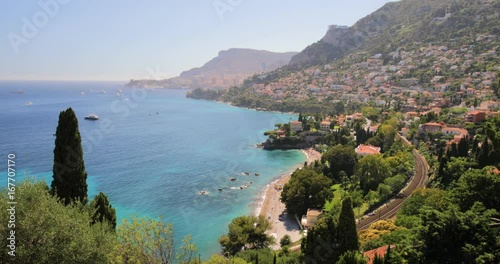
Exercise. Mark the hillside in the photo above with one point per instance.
(408, 55)
(229, 68)
(399, 24)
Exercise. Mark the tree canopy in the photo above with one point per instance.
(340, 158)
(104, 212)
(70, 177)
(146, 240)
(306, 189)
(48, 231)
(246, 232)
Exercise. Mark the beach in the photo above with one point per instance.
(272, 208)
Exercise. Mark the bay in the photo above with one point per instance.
(152, 151)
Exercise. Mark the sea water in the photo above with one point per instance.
(152, 152)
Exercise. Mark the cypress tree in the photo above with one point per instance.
(463, 148)
(454, 150)
(274, 259)
(348, 236)
(387, 257)
(484, 154)
(70, 177)
(104, 210)
(378, 259)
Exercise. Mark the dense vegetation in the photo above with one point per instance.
(457, 222)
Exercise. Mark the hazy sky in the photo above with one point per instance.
(124, 39)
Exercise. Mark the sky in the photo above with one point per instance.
(154, 39)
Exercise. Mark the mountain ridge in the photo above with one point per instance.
(230, 67)
(401, 23)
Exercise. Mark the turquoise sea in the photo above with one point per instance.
(151, 152)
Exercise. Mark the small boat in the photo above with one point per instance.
(257, 174)
(220, 189)
(247, 173)
(232, 179)
(28, 103)
(20, 91)
(203, 192)
(92, 117)
(82, 93)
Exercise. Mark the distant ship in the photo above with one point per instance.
(20, 91)
(28, 103)
(82, 94)
(92, 117)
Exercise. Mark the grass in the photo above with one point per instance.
(337, 196)
(338, 193)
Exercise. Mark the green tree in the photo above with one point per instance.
(483, 156)
(145, 240)
(463, 148)
(218, 259)
(339, 158)
(455, 237)
(454, 169)
(306, 189)
(47, 231)
(246, 232)
(492, 129)
(322, 243)
(70, 177)
(104, 212)
(371, 171)
(347, 228)
(478, 186)
(352, 257)
(285, 241)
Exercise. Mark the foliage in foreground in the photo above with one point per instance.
(145, 240)
(246, 232)
(47, 231)
(331, 237)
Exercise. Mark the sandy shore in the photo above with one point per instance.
(271, 206)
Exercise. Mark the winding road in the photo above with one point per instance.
(391, 208)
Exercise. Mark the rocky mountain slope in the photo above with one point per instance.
(229, 68)
(401, 23)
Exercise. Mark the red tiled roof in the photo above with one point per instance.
(475, 112)
(433, 124)
(367, 149)
(376, 252)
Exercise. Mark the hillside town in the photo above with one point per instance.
(425, 78)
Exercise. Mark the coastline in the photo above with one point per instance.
(270, 203)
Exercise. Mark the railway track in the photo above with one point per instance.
(392, 207)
